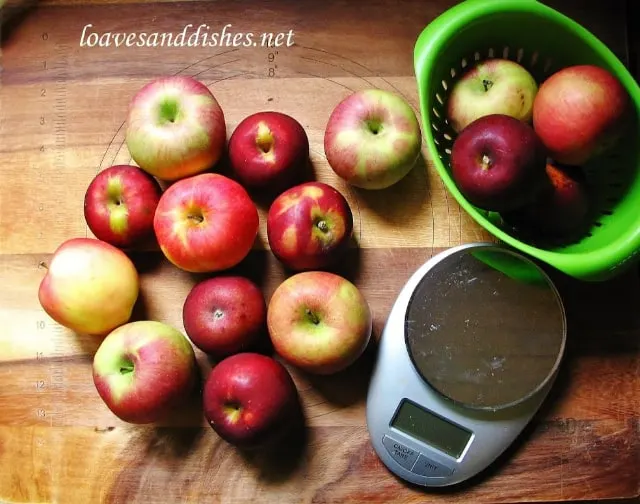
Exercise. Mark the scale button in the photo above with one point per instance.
(428, 467)
(401, 453)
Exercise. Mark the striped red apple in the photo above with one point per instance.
(309, 226)
(206, 223)
(120, 203)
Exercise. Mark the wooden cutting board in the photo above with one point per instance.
(62, 111)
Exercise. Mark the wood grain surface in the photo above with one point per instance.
(62, 110)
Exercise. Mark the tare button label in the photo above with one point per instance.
(401, 453)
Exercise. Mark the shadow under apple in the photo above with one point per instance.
(404, 200)
(350, 385)
(264, 197)
(278, 458)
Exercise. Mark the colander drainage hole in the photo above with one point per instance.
(534, 58)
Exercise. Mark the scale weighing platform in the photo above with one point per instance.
(470, 350)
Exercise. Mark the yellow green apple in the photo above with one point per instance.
(90, 286)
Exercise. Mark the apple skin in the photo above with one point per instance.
(268, 150)
(498, 163)
(249, 399)
(372, 139)
(119, 205)
(580, 112)
(90, 286)
(206, 223)
(309, 226)
(562, 207)
(319, 322)
(224, 315)
(493, 86)
(175, 128)
(144, 369)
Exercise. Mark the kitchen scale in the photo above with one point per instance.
(469, 352)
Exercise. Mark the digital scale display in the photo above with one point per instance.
(431, 428)
(470, 350)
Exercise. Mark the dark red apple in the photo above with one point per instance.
(580, 112)
(249, 399)
(268, 150)
(119, 205)
(309, 226)
(498, 163)
(562, 207)
(224, 315)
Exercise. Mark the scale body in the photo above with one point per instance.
(458, 442)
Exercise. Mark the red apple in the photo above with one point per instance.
(90, 286)
(319, 321)
(249, 399)
(175, 127)
(224, 315)
(494, 86)
(372, 139)
(143, 370)
(561, 209)
(120, 203)
(498, 163)
(268, 150)
(206, 223)
(309, 226)
(580, 112)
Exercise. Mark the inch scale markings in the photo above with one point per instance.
(58, 333)
(51, 382)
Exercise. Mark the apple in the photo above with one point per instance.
(309, 226)
(224, 315)
(206, 223)
(268, 150)
(372, 139)
(561, 209)
(580, 112)
(90, 286)
(498, 163)
(319, 321)
(249, 399)
(119, 205)
(493, 86)
(175, 127)
(144, 369)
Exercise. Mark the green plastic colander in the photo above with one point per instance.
(542, 40)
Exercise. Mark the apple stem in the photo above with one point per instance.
(196, 218)
(43, 264)
(126, 369)
(487, 84)
(312, 316)
(486, 162)
(322, 226)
